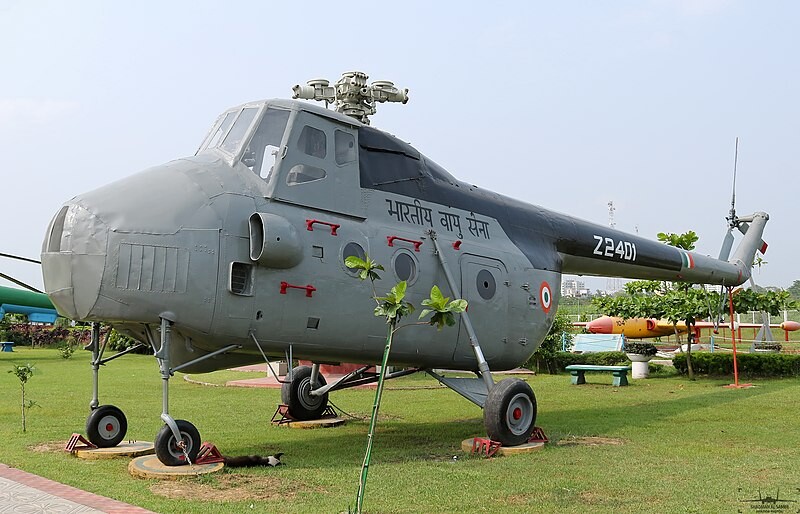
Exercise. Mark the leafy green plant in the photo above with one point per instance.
(66, 350)
(442, 308)
(393, 308)
(640, 348)
(23, 372)
(119, 342)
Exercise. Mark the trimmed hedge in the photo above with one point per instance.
(748, 364)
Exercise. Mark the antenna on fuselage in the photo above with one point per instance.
(351, 95)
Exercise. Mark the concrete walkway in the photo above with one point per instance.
(25, 492)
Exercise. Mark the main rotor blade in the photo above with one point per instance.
(17, 257)
(20, 283)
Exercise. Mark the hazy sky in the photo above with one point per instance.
(567, 105)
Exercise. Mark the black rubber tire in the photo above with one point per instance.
(303, 406)
(166, 445)
(509, 414)
(106, 426)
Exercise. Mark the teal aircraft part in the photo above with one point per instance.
(36, 306)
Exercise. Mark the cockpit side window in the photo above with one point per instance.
(345, 146)
(312, 142)
(234, 138)
(262, 151)
(221, 130)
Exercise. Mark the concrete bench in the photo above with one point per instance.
(620, 373)
(7, 346)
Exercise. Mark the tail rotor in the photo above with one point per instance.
(740, 223)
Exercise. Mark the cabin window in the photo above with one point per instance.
(234, 138)
(352, 249)
(345, 144)
(386, 160)
(405, 267)
(303, 173)
(262, 151)
(312, 142)
(486, 284)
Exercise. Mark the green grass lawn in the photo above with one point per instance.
(667, 444)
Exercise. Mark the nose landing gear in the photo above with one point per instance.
(106, 426)
(176, 452)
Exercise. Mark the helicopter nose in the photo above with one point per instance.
(73, 259)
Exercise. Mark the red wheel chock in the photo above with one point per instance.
(538, 436)
(283, 412)
(72, 444)
(208, 454)
(484, 446)
(285, 417)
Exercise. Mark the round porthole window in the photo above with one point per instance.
(405, 267)
(352, 250)
(486, 284)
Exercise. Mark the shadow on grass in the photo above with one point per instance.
(651, 410)
(395, 441)
(399, 441)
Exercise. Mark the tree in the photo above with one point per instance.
(794, 290)
(393, 308)
(674, 301)
(23, 372)
(545, 356)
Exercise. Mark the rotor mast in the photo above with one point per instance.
(351, 95)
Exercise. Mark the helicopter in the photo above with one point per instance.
(236, 255)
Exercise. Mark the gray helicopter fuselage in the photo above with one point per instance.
(246, 241)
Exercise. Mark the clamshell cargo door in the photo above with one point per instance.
(483, 285)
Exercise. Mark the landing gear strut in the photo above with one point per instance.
(297, 395)
(106, 425)
(178, 441)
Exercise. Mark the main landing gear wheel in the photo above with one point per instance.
(297, 395)
(509, 413)
(167, 449)
(106, 426)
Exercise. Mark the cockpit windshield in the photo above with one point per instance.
(231, 129)
(262, 151)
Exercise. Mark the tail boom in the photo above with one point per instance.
(603, 251)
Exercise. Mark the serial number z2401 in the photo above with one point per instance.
(607, 247)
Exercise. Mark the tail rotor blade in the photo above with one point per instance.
(727, 245)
